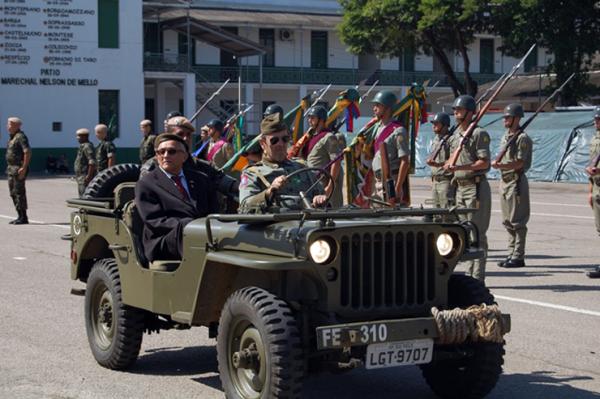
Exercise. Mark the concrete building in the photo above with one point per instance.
(72, 64)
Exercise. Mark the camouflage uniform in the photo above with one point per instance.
(473, 191)
(85, 157)
(147, 148)
(256, 179)
(595, 180)
(397, 147)
(104, 150)
(326, 149)
(17, 145)
(514, 190)
(442, 190)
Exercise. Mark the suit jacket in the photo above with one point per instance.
(165, 211)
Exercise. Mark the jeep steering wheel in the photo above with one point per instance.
(319, 171)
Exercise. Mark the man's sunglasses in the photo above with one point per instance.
(170, 151)
(275, 140)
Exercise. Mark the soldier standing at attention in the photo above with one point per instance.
(265, 185)
(18, 155)
(85, 161)
(442, 190)
(219, 150)
(395, 137)
(323, 147)
(105, 151)
(147, 144)
(594, 172)
(473, 189)
(514, 187)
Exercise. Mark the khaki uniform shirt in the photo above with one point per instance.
(397, 147)
(594, 151)
(520, 150)
(256, 179)
(223, 155)
(147, 148)
(105, 150)
(477, 147)
(442, 157)
(326, 149)
(17, 146)
(85, 157)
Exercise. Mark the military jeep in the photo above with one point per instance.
(285, 294)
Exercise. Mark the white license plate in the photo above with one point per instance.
(400, 353)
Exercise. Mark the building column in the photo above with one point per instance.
(254, 114)
(160, 101)
(189, 96)
(302, 92)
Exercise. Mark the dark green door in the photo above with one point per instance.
(486, 55)
(318, 49)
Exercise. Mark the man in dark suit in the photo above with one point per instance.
(171, 196)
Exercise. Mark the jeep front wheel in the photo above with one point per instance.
(470, 370)
(258, 347)
(114, 330)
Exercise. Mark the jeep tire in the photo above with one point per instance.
(475, 374)
(114, 330)
(258, 347)
(105, 182)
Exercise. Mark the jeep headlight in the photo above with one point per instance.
(321, 251)
(445, 244)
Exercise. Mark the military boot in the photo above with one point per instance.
(503, 261)
(514, 263)
(22, 218)
(15, 220)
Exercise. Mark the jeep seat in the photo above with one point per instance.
(133, 221)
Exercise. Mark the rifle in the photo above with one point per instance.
(389, 185)
(529, 120)
(216, 93)
(316, 101)
(235, 117)
(445, 139)
(295, 149)
(471, 128)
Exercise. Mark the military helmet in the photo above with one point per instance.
(465, 101)
(597, 113)
(319, 111)
(514, 109)
(386, 98)
(273, 109)
(441, 117)
(216, 124)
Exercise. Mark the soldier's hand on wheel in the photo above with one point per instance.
(319, 200)
(276, 184)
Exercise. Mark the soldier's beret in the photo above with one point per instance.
(271, 124)
(82, 132)
(181, 121)
(161, 138)
(146, 122)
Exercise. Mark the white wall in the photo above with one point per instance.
(339, 57)
(71, 99)
(390, 64)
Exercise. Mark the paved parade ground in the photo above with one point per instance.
(553, 350)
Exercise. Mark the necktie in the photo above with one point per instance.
(177, 180)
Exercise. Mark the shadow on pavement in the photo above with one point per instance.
(177, 361)
(542, 384)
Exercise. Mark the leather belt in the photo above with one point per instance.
(469, 181)
(441, 178)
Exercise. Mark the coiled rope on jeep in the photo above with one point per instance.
(478, 323)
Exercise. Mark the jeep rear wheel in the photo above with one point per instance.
(258, 347)
(114, 330)
(469, 370)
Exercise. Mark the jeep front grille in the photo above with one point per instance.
(387, 269)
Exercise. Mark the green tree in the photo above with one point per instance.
(568, 30)
(386, 27)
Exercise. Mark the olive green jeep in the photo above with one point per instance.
(290, 294)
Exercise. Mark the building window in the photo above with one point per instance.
(108, 111)
(318, 49)
(407, 60)
(227, 58)
(182, 41)
(108, 23)
(266, 38)
(486, 55)
(152, 38)
(531, 64)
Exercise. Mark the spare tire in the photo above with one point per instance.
(105, 182)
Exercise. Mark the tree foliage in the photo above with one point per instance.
(569, 30)
(436, 27)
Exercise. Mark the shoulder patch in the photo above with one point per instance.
(243, 181)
